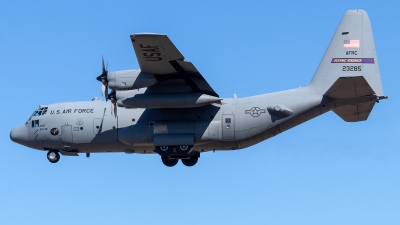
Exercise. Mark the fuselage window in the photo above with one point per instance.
(35, 123)
(54, 131)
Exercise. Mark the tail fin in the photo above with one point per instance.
(351, 54)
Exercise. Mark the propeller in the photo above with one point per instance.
(113, 98)
(104, 88)
(103, 79)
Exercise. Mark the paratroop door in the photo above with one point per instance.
(228, 127)
(66, 134)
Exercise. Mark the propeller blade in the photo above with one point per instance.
(113, 109)
(102, 62)
(106, 96)
(103, 79)
(103, 89)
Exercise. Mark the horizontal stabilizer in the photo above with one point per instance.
(355, 113)
(353, 97)
(349, 87)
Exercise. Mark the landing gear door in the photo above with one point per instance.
(228, 127)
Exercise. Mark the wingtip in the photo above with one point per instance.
(146, 34)
(355, 12)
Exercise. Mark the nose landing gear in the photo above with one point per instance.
(53, 156)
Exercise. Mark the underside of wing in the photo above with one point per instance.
(158, 56)
(154, 53)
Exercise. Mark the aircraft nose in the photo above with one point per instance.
(19, 134)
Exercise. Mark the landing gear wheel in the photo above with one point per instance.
(170, 162)
(53, 156)
(164, 150)
(191, 161)
(184, 149)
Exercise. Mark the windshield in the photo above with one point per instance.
(39, 112)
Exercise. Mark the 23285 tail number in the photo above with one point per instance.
(351, 68)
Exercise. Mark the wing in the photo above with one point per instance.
(157, 55)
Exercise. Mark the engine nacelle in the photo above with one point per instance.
(137, 99)
(129, 79)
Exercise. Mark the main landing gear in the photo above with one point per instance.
(191, 160)
(53, 156)
(170, 155)
(170, 162)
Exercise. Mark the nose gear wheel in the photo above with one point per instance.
(53, 156)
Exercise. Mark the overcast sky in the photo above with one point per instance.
(325, 171)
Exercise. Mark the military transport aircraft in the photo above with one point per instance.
(167, 107)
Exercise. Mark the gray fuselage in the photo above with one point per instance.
(237, 123)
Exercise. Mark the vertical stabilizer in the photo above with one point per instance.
(351, 53)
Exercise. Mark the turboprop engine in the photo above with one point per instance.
(128, 90)
(123, 80)
(138, 99)
(129, 79)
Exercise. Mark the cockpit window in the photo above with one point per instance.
(35, 123)
(40, 112)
